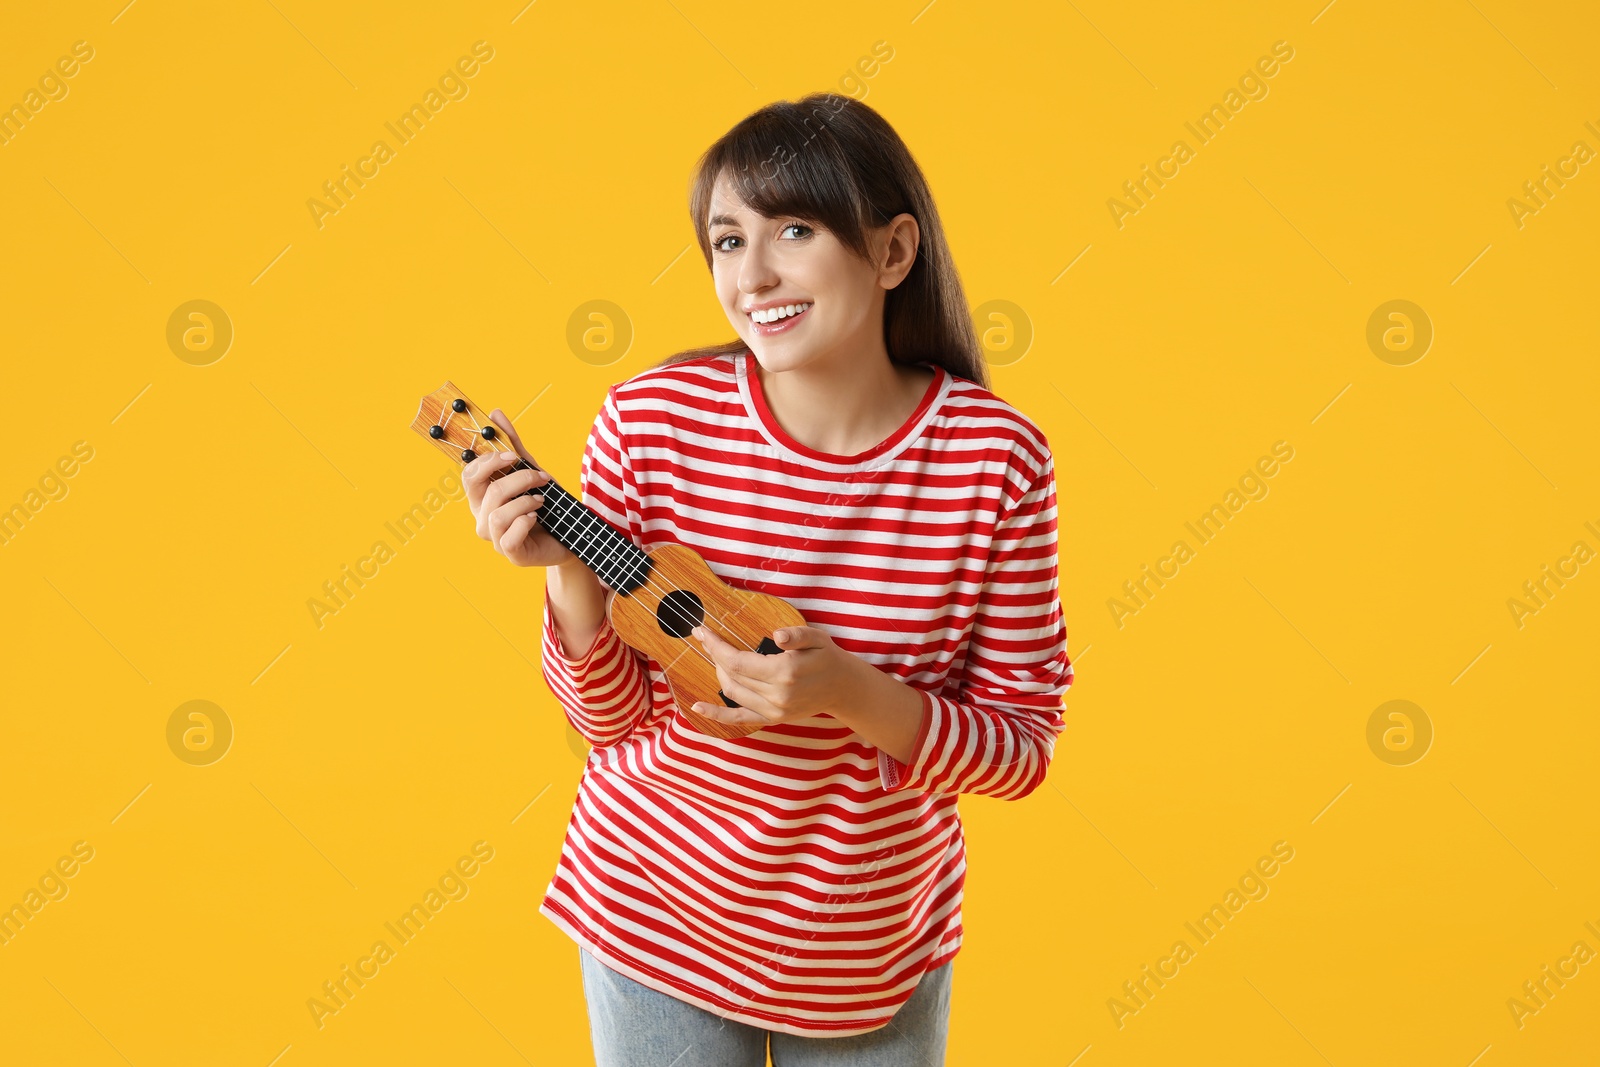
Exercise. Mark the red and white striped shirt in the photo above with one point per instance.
(798, 878)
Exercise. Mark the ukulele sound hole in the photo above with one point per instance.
(679, 612)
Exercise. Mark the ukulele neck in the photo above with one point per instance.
(461, 430)
(614, 559)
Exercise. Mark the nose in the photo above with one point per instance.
(757, 271)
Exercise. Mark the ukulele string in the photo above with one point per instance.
(587, 522)
(564, 525)
(567, 522)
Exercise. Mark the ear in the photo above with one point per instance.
(903, 237)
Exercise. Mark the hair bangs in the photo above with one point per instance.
(785, 162)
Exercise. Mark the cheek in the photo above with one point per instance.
(843, 292)
(845, 310)
(727, 291)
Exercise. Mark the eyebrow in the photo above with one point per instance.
(728, 220)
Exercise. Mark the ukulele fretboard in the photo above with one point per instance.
(614, 559)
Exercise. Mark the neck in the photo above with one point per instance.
(844, 404)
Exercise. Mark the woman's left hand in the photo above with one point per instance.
(812, 675)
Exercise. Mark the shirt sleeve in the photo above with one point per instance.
(997, 734)
(606, 692)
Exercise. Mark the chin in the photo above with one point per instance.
(775, 361)
(787, 349)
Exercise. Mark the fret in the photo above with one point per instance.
(615, 560)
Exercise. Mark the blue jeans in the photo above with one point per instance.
(633, 1025)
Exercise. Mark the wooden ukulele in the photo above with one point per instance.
(658, 595)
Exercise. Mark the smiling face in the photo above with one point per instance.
(761, 264)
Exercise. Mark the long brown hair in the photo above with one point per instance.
(833, 160)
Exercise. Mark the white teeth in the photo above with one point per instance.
(776, 313)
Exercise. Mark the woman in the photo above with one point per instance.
(801, 884)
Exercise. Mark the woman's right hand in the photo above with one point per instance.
(505, 516)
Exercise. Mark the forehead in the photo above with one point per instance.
(725, 200)
(727, 208)
(733, 213)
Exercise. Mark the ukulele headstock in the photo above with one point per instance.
(457, 426)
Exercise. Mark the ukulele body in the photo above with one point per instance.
(683, 592)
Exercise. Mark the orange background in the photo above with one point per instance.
(1163, 357)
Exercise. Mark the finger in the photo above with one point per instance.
(489, 460)
(723, 653)
(502, 517)
(759, 675)
(752, 687)
(478, 471)
(747, 697)
(722, 713)
(790, 637)
(515, 534)
(510, 486)
(498, 417)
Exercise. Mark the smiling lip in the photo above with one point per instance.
(766, 329)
